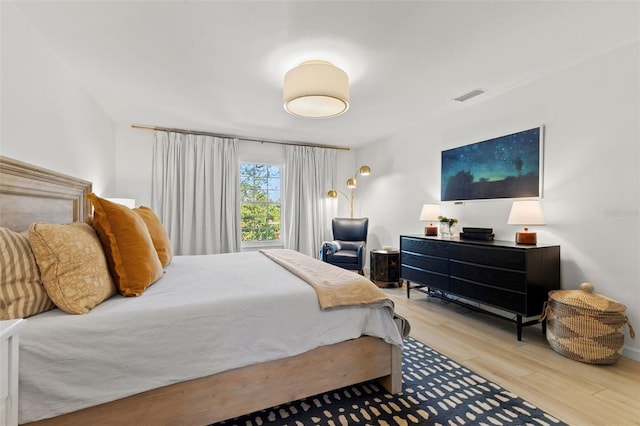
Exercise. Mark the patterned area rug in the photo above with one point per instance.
(436, 391)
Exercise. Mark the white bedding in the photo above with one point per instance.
(206, 315)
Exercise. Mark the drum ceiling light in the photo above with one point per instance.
(316, 89)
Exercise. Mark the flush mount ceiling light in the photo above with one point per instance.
(316, 89)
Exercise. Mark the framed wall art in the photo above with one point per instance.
(508, 166)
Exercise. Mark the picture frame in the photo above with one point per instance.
(508, 166)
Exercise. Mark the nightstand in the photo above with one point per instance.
(9, 371)
(385, 267)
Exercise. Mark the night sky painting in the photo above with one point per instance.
(504, 167)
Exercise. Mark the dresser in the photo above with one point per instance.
(9, 371)
(510, 277)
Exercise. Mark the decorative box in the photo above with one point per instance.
(585, 326)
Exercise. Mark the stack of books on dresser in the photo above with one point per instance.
(480, 234)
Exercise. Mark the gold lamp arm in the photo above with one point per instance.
(334, 194)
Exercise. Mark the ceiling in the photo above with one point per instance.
(218, 66)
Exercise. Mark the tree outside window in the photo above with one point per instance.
(260, 208)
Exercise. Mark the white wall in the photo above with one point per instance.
(47, 117)
(134, 151)
(591, 179)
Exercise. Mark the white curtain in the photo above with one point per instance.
(195, 191)
(309, 174)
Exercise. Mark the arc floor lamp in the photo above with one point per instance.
(352, 184)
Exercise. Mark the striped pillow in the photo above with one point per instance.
(21, 292)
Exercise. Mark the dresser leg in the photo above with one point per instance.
(519, 325)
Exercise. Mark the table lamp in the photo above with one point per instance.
(430, 213)
(127, 202)
(526, 213)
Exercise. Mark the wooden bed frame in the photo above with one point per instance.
(32, 194)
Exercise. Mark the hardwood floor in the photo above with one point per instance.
(577, 393)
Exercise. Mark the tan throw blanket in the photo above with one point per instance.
(334, 286)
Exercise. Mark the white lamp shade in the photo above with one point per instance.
(316, 89)
(526, 212)
(430, 212)
(127, 202)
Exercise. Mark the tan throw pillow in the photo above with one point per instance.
(159, 236)
(72, 265)
(132, 259)
(21, 292)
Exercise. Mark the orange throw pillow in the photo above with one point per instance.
(132, 259)
(159, 235)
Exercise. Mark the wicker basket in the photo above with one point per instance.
(584, 326)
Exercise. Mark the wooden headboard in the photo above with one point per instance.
(31, 194)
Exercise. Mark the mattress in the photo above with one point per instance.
(207, 314)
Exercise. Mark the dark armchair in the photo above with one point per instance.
(349, 247)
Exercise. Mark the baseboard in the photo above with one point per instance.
(632, 353)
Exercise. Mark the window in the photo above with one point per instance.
(260, 208)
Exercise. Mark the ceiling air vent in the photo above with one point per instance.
(471, 94)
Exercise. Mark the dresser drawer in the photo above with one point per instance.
(424, 246)
(504, 299)
(428, 278)
(489, 256)
(430, 263)
(496, 277)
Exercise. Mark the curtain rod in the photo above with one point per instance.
(221, 135)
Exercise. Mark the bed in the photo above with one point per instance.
(216, 381)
